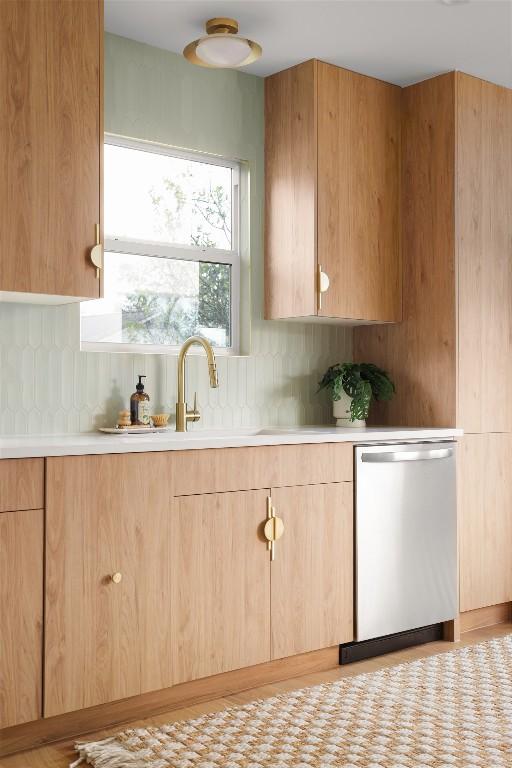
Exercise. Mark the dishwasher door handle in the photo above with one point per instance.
(435, 453)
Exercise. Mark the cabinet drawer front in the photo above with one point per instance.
(236, 469)
(21, 484)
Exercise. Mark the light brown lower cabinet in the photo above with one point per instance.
(21, 616)
(108, 581)
(312, 574)
(485, 520)
(220, 584)
(145, 589)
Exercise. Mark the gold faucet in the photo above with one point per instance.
(183, 415)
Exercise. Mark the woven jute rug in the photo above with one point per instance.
(452, 710)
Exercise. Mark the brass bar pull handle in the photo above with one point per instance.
(97, 253)
(274, 528)
(322, 284)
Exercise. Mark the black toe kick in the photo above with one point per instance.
(366, 649)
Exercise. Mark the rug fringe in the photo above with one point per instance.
(106, 754)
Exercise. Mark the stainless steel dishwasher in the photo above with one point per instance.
(406, 537)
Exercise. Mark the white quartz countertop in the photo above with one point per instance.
(25, 446)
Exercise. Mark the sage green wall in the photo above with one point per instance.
(49, 385)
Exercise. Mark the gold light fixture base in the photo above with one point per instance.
(223, 27)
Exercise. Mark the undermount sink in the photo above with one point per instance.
(212, 434)
(222, 434)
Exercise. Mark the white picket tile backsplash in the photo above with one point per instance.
(49, 386)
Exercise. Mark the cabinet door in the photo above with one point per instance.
(358, 195)
(104, 640)
(50, 139)
(290, 192)
(21, 612)
(485, 519)
(221, 583)
(312, 573)
(484, 249)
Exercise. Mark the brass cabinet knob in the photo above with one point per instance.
(116, 577)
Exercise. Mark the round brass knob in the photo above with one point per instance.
(116, 577)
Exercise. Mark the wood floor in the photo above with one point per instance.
(60, 754)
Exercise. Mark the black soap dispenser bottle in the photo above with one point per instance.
(139, 406)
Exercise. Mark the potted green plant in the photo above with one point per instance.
(352, 387)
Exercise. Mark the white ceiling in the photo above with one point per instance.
(400, 41)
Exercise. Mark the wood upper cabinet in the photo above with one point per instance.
(332, 150)
(108, 580)
(21, 616)
(312, 573)
(50, 146)
(220, 584)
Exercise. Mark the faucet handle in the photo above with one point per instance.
(194, 414)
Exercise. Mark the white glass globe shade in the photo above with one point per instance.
(223, 51)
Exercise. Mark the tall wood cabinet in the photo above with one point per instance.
(332, 148)
(450, 357)
(50, 147)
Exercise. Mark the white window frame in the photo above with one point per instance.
(182, 252)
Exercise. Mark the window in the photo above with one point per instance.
(171, 264)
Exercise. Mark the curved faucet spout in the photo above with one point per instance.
(183, 416)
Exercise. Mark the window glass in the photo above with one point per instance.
(171, 264)
(156, 197)
(160, 301)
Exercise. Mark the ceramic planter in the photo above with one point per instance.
(341, 412)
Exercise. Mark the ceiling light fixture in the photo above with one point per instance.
(222, 48)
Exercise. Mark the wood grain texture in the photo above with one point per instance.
(106, 641)
(312, 574)
(489, 616)
(236, 469)
(21, 611)
(359, 195)
(50, 145)
(485, 520)
(484, 254)
(21, 484)
(149, 704)
(221, 584)
(290, 192)
(420, 353)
